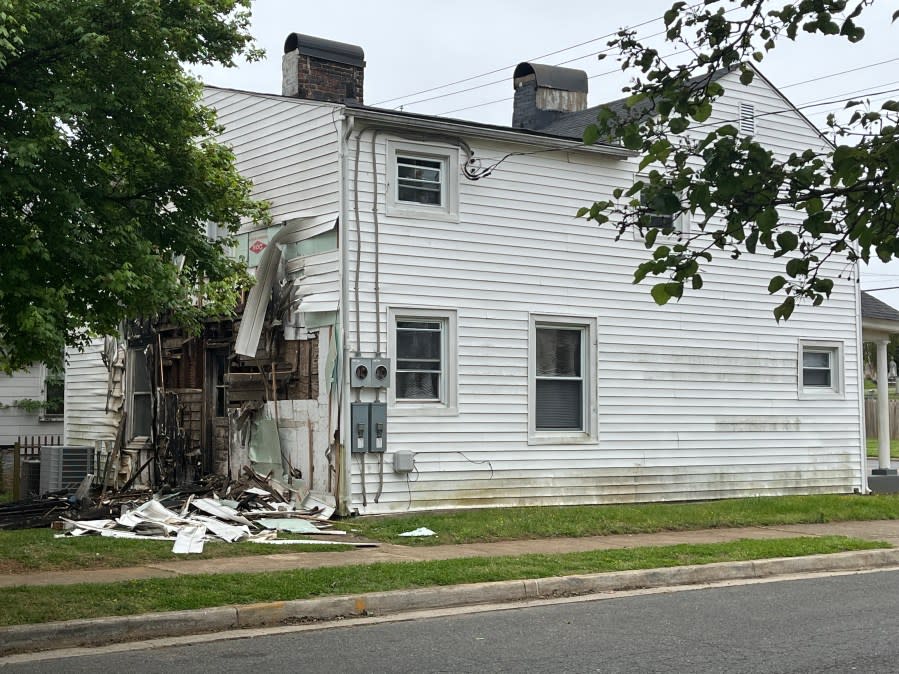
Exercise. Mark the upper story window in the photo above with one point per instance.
(423, 180)
(678, 223)
(420, 181)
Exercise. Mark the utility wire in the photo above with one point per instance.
(505, 68)
(609, 72)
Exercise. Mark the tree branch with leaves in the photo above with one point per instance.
(837, 201)
(109, 170)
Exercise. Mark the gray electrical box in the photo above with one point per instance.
(403, 462)
(360, 430)
(380, 372)
(360, 372)
(378, 433)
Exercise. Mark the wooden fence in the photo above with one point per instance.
(871, 418)
(26, 447)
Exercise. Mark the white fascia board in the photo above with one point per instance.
(456, 128)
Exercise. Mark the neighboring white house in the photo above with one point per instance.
(23, 410)
(524, 367)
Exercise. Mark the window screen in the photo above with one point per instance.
(419, 359)
(419, 180)
(559, 386)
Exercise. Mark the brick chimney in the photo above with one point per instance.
(322, 70)
(545, 93)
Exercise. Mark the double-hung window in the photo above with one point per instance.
(422, 349)
(423, 180)
(820, 368)
(561, 380)
(140, 409)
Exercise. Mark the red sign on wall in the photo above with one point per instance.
(258, 246)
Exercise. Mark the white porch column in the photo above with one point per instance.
(883, 406)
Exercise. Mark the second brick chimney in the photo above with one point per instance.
(545, 93)
(322, 70)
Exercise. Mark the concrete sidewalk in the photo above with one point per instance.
(880, 530)
(98, 631)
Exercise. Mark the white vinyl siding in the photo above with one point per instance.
(29, 384)
(694, 400)
(89, 408)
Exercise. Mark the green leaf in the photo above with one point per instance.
(703, 111)
(678, 124)
(776, 283)
(591, 134)
(660, 293)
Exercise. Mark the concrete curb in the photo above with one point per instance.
(99, 631)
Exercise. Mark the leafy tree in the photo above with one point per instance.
(734, 189)
(108, 170)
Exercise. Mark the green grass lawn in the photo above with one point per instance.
(37, 549)
(496, 524)
(34, 604)
(874, 452)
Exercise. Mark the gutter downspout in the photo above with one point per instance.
(860, 375)
(344, 491)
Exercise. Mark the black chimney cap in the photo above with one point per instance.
(327, 50)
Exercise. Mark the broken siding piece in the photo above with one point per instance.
(190, 540)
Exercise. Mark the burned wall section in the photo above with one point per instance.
(200, 386)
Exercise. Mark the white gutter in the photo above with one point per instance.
(457, 128)
(344, 493)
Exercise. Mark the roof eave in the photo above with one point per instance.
(405, 120)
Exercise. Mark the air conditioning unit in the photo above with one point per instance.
(63, 468)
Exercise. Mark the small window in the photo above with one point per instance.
(423, 180)
(140, 412)
(678, 222)
(562, 362)
(422, 349)
(747, 119)
(53, 391)
(420, 181)
(820, 368)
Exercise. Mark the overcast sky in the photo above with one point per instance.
(411, 47)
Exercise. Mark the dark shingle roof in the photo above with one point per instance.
(573, 124)
(874, 309)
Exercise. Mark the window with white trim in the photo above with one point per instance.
(140, 407)
(422, 350)
(679, 222)
(423, 180)
(820, 368)
(562, 362)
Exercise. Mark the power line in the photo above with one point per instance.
(609, 72)
(506, 68)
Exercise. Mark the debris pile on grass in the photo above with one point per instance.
(253, 508)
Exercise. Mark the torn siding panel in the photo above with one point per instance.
(90, 413)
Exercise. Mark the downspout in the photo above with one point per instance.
(344, 491)
(860, 375)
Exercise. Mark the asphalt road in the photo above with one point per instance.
(833, 624)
